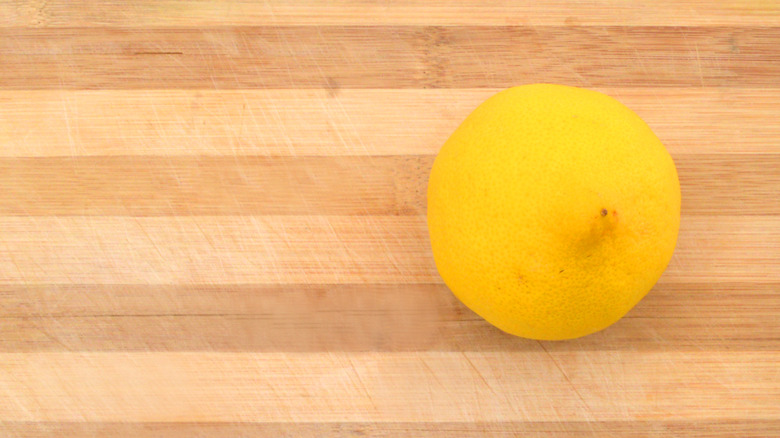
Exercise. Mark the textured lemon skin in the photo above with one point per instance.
(552, 211)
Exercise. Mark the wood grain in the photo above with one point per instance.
(359, 185)
(314, 249)
(338, 122)
(186, 13)
(388, 57)
(667, 300)
(212, 220)
(499, 429)
(350, 317)
(392, 387)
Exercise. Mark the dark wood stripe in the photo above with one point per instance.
(732, 185)
(710, 316)
(718, 184)
(315, 249)
(704, 428)
(388, 57)
(182, 186)
(666, 300)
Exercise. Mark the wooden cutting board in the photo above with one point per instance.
(212, 219)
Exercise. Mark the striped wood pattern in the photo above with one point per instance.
(212, 219)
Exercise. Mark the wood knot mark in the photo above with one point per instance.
(36, 12)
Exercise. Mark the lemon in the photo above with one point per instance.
(552, 211)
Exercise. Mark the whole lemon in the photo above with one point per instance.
(552, 211)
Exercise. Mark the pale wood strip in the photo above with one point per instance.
(357, 185)
(389, 387)
(340, 122)
(388, 57)
(314, 249)
(505, 429)
(150, 13)
(205, 250)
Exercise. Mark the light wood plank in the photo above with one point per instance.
(388, 57)
(321, 249)
(150, 13)
(389, 387)
(504, 429)
(340, 121)
(205, 250)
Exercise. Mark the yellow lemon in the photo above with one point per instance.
(552, 211)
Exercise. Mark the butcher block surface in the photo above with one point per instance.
(212, 219)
